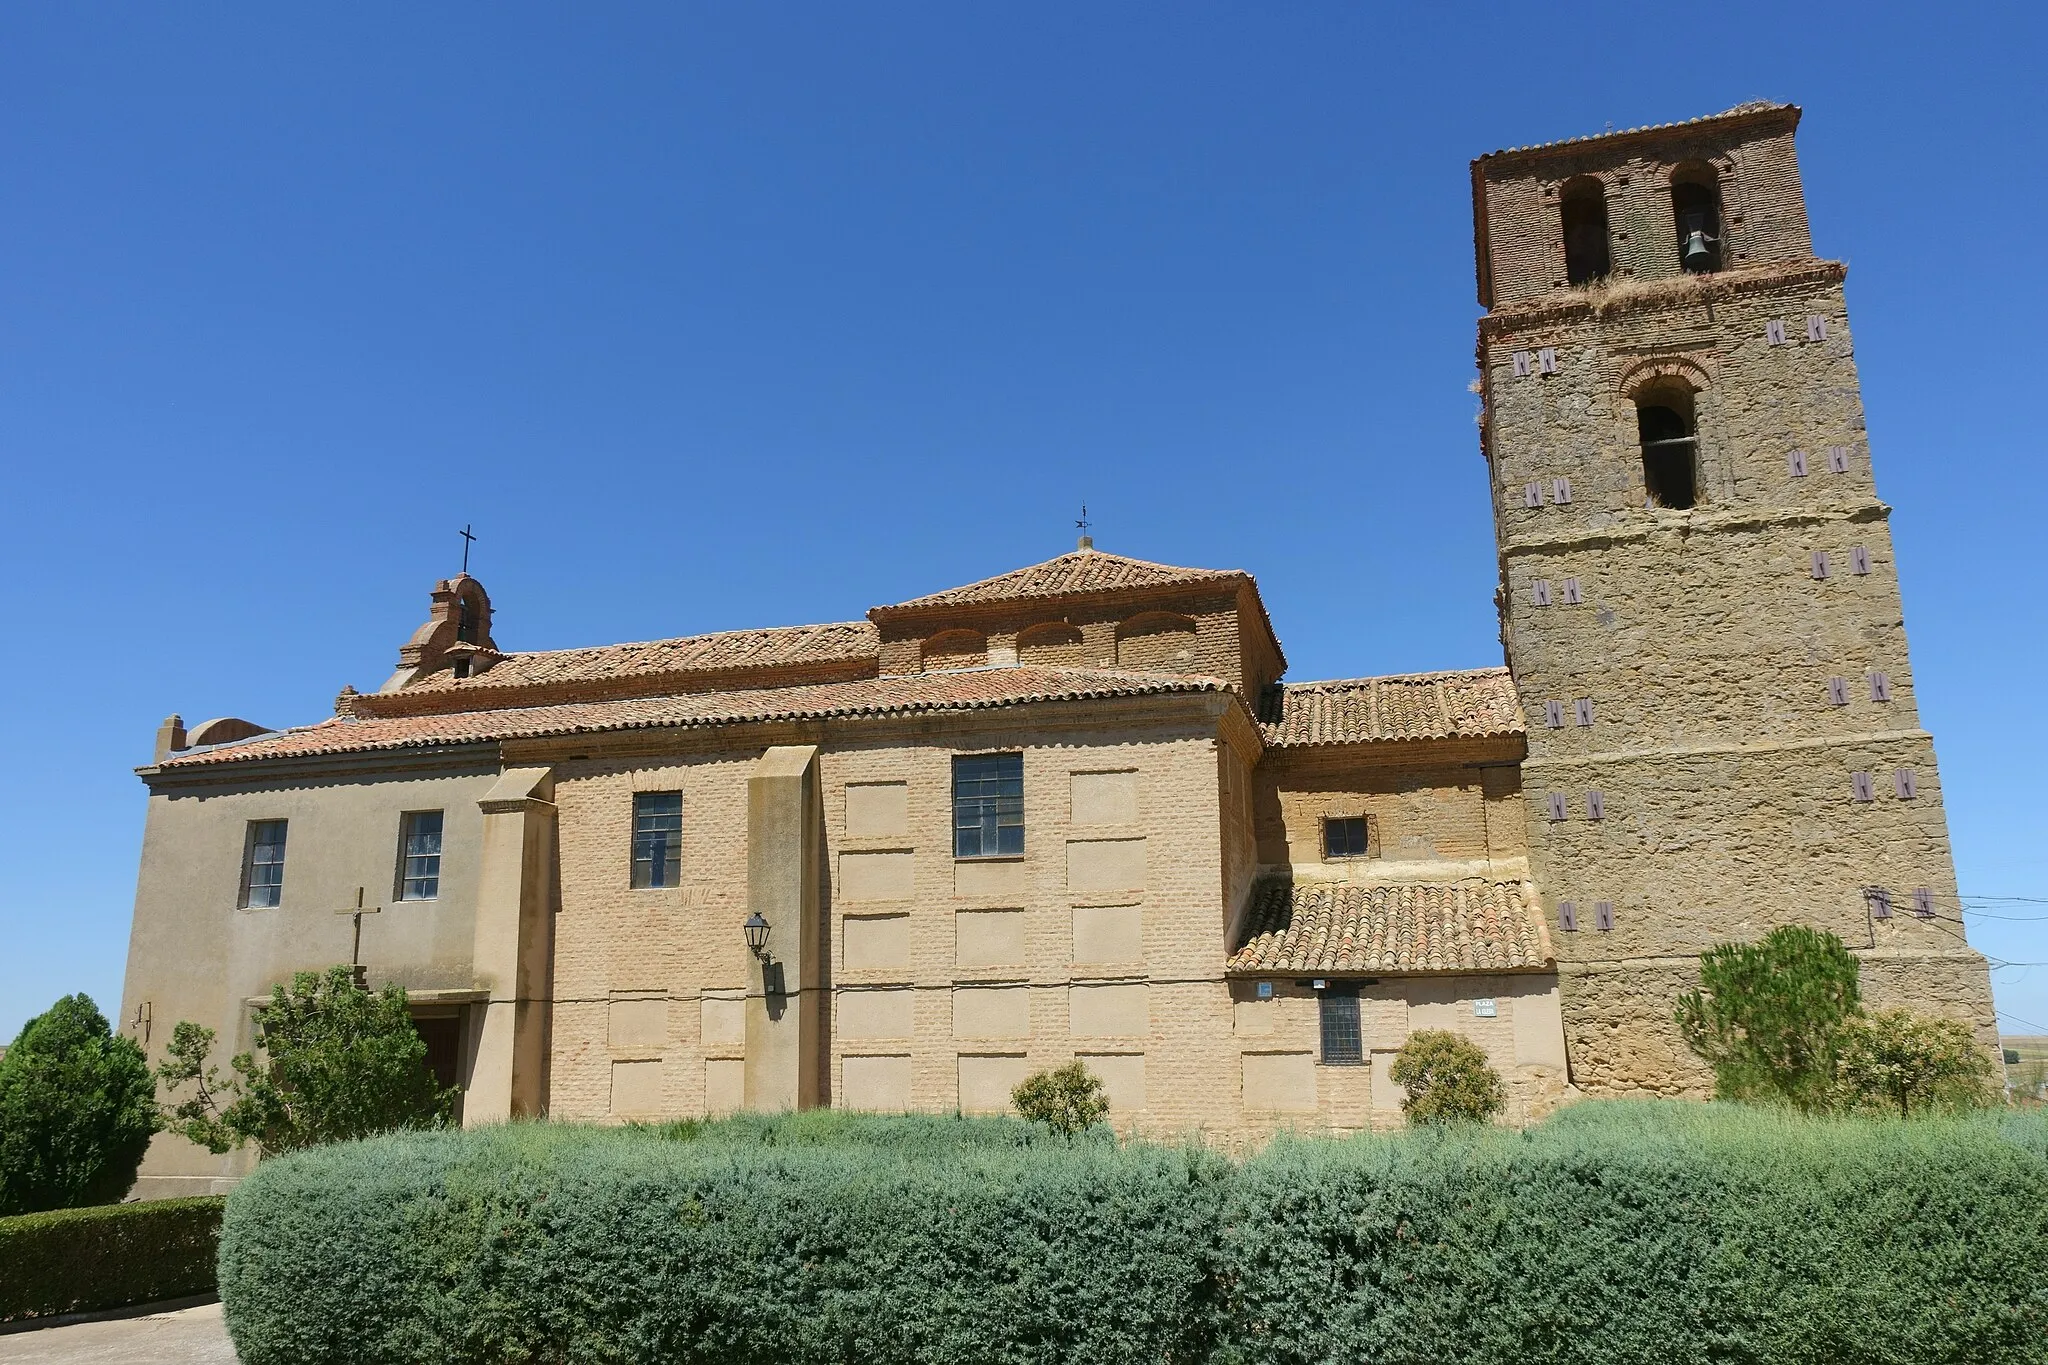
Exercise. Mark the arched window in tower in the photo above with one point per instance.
(1696, 215)
(1664, 421)
(1583, 207)
(465, 622)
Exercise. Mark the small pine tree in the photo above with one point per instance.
(1448, 1079)
(77, 1108)
(340, 1062)
(1068, 1099)
(1769, 1016)
(1895, 1059)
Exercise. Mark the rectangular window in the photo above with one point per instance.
(1348, 836)
(1343, 1044)
(263, 865)
(657, 839)
(419, 867)
(988, 806)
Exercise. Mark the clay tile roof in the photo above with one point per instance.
(1071, 575)
(1337, 927)
(778, 646)
(973, 689)
(1739, 111)
(1466, 704)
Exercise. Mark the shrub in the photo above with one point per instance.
(1615, 1232)
(340, 1062)
(1896, 1060)
(1769, 1020)
(77, 1260)
(547, 1242)
(1067, 1099)
(77, 1109)
(1636, 1232)
(1447, 1078)
(900, 1133)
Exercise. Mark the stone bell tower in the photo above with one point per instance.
(1699, 598)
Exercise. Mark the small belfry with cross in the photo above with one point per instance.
(1086, 542)
(468, 539)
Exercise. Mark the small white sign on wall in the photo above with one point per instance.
(1485, 1009)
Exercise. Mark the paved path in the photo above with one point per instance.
(190, 1336)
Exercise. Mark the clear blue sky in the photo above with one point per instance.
(721, 316)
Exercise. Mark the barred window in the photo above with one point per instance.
(419, 874)
(263, 864)
(988, 805)
(657, 839)
(1348, 836)
(1343, 1044)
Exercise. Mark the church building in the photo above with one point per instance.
(1078, 810)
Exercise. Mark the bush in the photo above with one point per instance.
(77, 1109)
(1771, 1014)
(339, 1062)
(1447, 1078)
(1898, 1061)
(78, 1260)
(900, 1133)
(548, 1242)
(1613, 1233)
(1067, 1100)
(1631, 1232)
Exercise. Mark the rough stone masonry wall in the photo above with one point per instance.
(1705, 646)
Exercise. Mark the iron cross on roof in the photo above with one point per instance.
(468, 539)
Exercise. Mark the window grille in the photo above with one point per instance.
(988, 805)
(1347, 836)
(657, 839)
(419, 877)
(1343, 1042)
(263, 864)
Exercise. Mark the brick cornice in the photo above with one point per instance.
(1574, 307)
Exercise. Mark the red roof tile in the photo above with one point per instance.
(776, 647)
(1071, 575)
(1466, 704)
(1471, 926)
(973, 689)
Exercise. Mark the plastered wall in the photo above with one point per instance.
(194, 954)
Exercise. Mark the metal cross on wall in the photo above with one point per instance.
(355, 953)
(467, 540)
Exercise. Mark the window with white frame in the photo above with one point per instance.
(419, 873)
(263, 864)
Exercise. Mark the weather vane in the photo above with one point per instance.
(1086, 542)
(467, 538)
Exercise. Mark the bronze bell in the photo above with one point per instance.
(1698, 252)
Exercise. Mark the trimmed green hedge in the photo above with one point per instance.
(107, 1256)
(534, 1242)
(1672, 1233)
(1614, 1233)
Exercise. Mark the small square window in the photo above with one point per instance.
(263, 865)
(657, 839)
(1347, 836)
(988, 806)
(1343, 1042)
(419, 858)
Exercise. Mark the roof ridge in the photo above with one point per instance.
(1744, 109)
(684, 639)
(1484, 671)
(990, 588)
